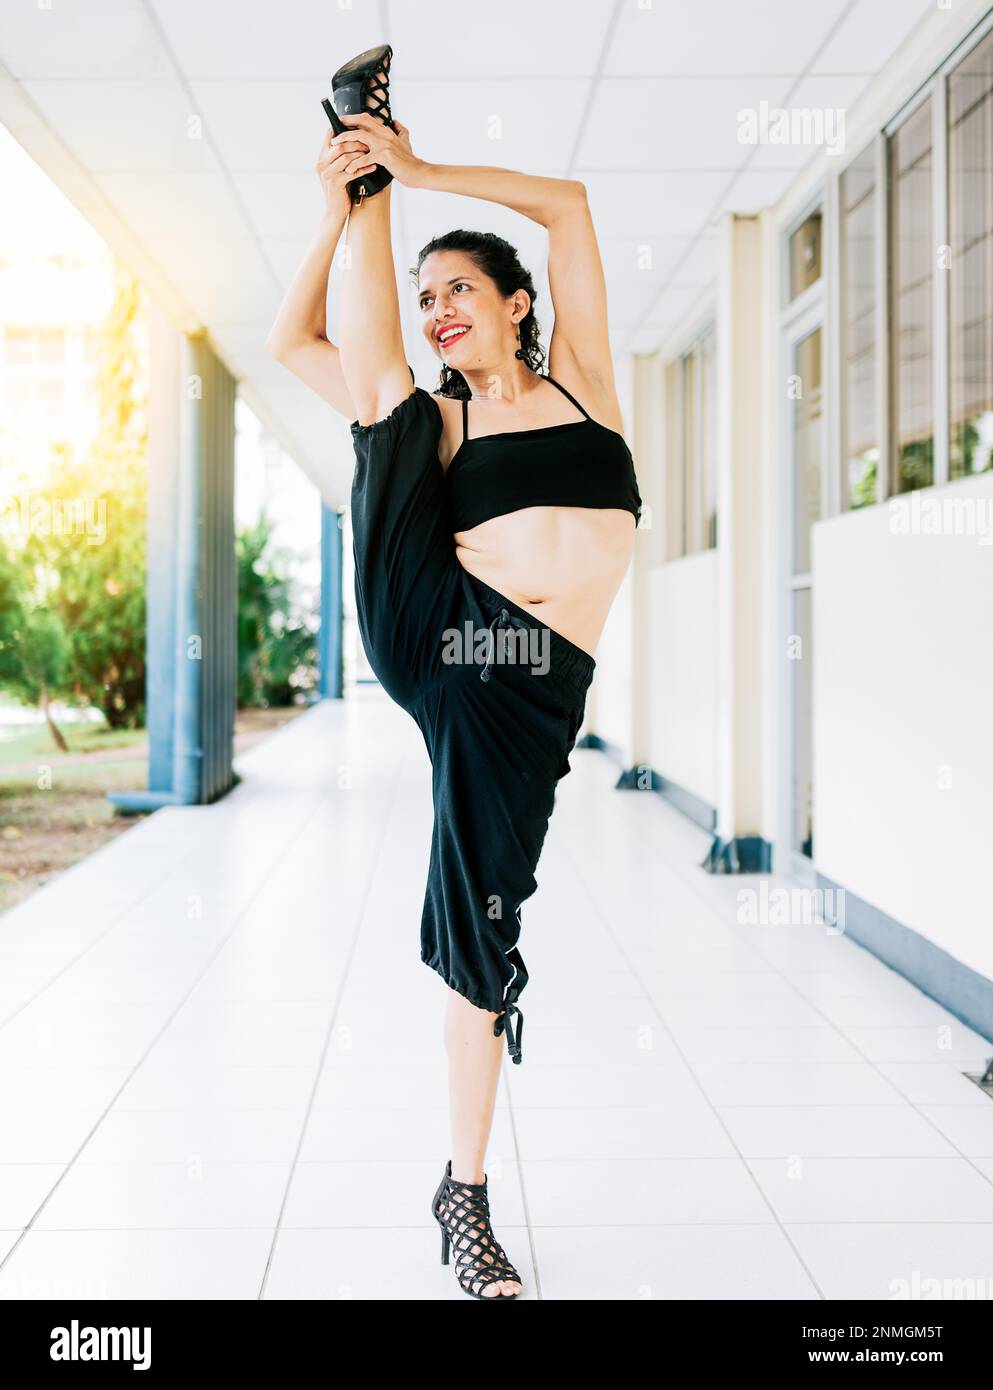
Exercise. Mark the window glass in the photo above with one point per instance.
(912, 261)
(859, 302)
(690, 541)
(18, 346)
(805, 254)
(970, 225)
(808, 444)
(708, 442)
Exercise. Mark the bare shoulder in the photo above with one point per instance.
(595, 390)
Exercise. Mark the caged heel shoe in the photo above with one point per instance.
(363, 84)
(462, 1210)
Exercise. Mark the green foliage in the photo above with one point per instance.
(13, 617)
(77, 576)
(277, 649)
(862, 490)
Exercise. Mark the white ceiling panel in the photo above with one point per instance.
(818, 115)
(487, 122)
(627, 305)
(176, 214)
(673, 123)
(280, 205)
(666, 311)
(645, 261)
(699, 266)
(754, 190)
(674, 204)
(126, 125)
(304, 39)
(719, 36)
(870, 34)
(426, 215)
(263, 125)
(234, 286)
(83, 39)
(475, 38)
(284, 254)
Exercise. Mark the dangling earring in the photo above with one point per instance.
(520, 351)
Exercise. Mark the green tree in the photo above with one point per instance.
(33, 644)
(277, 648)
(95, 546)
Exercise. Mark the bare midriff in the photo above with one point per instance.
(563, 564)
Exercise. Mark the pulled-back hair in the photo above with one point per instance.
(499, 260)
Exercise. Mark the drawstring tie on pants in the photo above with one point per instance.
(502, 619)
(503, 1022)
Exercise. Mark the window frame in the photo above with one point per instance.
(682, 539)
(935, 87)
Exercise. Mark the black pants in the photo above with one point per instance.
(498, 697)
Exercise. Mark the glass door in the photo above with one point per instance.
(805, 453)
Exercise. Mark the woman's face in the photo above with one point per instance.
(465, 318)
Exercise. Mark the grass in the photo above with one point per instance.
(53, 806)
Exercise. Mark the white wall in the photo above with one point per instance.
(683, 728)
(903, 675)
(609, 706)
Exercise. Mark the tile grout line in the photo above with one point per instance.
(837, 1028)
(710, 1104)
(207, 963)
(319, 1071)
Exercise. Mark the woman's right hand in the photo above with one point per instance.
(336, 166)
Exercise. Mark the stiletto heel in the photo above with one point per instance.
(462, 1210)
(355, 87)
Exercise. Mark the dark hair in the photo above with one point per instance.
(499, 260)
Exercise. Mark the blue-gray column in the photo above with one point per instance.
(330, 643)
(191, 644)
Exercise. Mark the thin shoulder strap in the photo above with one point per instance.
(465, 419)
(567, 393)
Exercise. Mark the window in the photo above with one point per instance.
(674, 455)
(51, 346)
(912, 261)
(708, 442)
(18, 347)
(805, 254)
(970, 227)
(808, 433)
(691, 452)
(859, 298)
(690, 464)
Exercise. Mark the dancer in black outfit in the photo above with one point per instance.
(493, 523)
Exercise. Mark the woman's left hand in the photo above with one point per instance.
(387, 147)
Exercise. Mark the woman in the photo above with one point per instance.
(496, 506)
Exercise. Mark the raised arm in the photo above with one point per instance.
(298, 337)
(580, 345)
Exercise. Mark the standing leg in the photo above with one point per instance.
(474, 1057)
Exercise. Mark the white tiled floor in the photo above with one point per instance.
(222, 1073)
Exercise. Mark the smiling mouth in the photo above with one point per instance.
(450, 335)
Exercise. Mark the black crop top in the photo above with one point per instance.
(579, 464)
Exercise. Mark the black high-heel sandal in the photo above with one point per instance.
(462, 1210)
(357, 87)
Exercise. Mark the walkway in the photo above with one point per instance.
(222, 1072)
